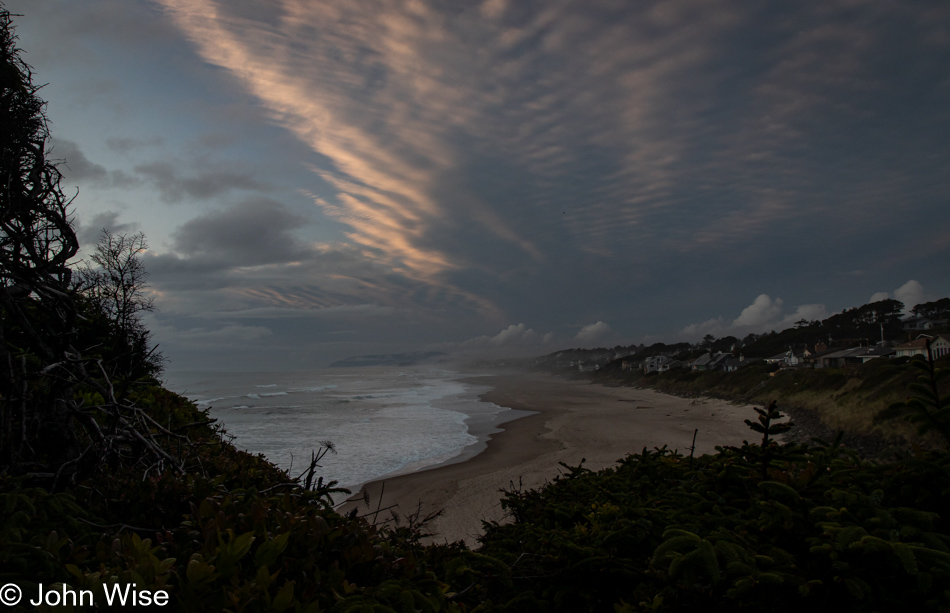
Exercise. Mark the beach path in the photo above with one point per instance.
(574, 420)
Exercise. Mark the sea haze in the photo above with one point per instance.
(381, 420)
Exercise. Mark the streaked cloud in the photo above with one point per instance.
(452, 169)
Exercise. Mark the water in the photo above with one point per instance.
(382, 421)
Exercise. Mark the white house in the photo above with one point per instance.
(939, 347)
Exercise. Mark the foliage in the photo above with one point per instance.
(822, 530)
(927, 409)
(936, 309)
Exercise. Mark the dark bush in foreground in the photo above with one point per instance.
(823, 531)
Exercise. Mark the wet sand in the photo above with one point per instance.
(574, 420)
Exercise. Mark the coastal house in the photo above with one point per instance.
(734, 364)
(853, 356)
(917, 323)
(840, 358)
(939, 347)
(660, 363)
(787, 358)
(701, 362)
(871, 353)
(814, 360)
(718, 361)
(711, 361)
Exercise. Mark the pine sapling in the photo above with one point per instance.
(767, 429)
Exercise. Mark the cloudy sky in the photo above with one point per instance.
(324, 179)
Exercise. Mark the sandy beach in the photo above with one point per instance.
(574, 420)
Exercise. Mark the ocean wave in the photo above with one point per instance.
(205, 402)
(318, 388)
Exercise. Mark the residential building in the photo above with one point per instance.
(939, 347)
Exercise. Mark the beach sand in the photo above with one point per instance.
(574, 420)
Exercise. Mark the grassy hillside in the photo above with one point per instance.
(842, 398)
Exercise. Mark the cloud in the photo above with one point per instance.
(251, 233)
(762, 315)
(75, 164)
(228, 335)
(173, 187)
(89, 232)
(761, 312)
(505, 161)
(126, 145)
(911, 294)
(519, 138)
(172, 184)
(515, 334)
(593, 332)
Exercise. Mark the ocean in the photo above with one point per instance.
(382, 421)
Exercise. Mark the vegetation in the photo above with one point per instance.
(820, 530)
(36, 244)
(927, 409)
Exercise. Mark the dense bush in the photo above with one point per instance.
(824, 530)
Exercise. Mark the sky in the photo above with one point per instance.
(323, 179)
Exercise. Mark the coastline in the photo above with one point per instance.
(571, 421)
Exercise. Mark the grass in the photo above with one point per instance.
(843, 398)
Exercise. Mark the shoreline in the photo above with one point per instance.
(571, 421)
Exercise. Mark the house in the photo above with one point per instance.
(878, 351)
(814, 359)
(702, 361)
(787, 358)
(734, 364)
(718, 361)
(917, 323)
(709, 361)
(939, 347)
(660, 363)
(840, 358)
(655, 364)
